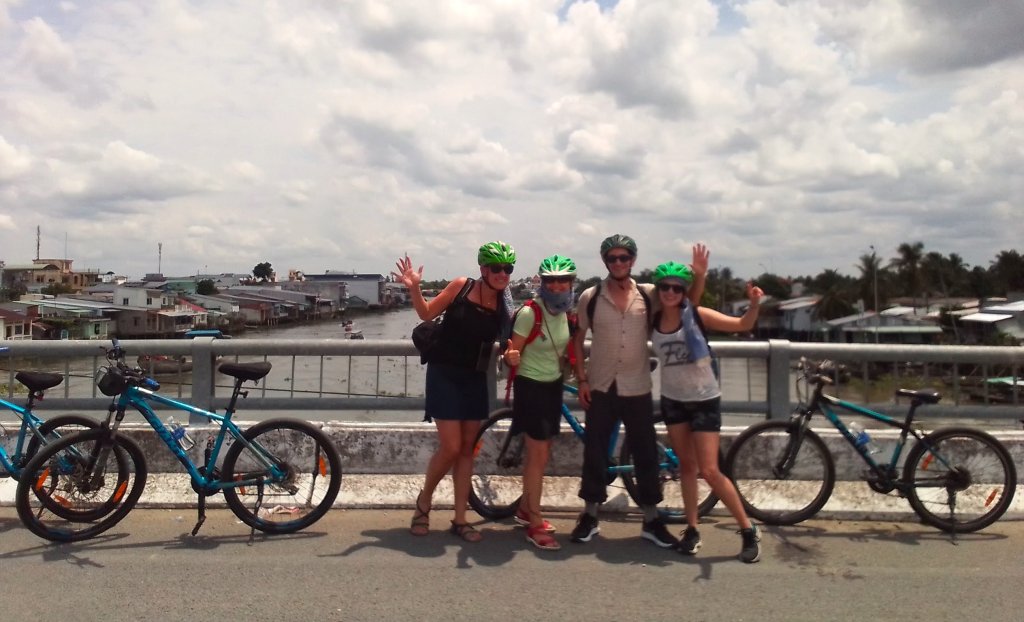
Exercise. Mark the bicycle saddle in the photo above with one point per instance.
(38, 380)
(246, 371)
(927, 396)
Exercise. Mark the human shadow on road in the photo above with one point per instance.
(438, 543)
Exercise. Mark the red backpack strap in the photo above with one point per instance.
(537, 319)
(534, 333)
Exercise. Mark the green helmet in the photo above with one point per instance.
(618, 241)
(495, 252)
(556, 265)
(673, 270)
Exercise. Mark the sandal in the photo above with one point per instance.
(542, 539)
(465, 531)
(420, 525)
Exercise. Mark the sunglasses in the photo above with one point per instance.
(668, 287)
(618, 258)
(556, 279)
(497, 268)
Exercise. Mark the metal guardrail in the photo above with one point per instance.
(381, 375)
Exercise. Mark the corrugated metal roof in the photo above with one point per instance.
(986, 317)
(1012, 307)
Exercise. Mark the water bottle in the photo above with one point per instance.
(179, 434)
(861, 438)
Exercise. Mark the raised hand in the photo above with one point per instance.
(754, 293)
(700, 258)
(406, 274)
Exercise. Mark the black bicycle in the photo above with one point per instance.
(958, 479)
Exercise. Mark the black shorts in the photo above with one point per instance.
(703, 416)
(537, 408)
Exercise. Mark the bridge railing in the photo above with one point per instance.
(386, 375)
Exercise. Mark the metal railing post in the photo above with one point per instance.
(778, 378)
(202, 376)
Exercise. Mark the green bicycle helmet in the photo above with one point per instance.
(618, 241)
(673, 270)
(495, 253)
(556, 265)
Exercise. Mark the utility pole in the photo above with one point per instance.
(874, 273)
(159, 257)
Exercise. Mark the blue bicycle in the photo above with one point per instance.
(279, 476)
(497, 477)
(33, 431)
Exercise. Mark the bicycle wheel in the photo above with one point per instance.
(60, 498)
(959, 479)
(57, 427)
(308, 483)
(672, 509)
(783, 477)
(498, 452)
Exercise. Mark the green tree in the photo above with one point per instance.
(874, 279)
(206, 287)
(720, 286)
(908, 267)
(1008, 272)
(56, 289)
(837, 293)
(773, 285)
(263, 271)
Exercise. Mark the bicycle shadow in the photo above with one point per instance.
(72, 551)
(806, 545)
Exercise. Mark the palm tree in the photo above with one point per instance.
(836, 292)
(1008, 271)
(908, 266)
(872, 275)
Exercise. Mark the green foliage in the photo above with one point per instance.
(263, 271)
(206, 287)
(56, 289)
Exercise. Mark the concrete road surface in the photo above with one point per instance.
(363, 565)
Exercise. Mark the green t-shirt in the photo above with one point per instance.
(540, 360)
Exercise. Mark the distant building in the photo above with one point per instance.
(42, 273)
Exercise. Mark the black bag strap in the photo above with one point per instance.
(592, 304)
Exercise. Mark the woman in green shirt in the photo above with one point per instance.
(537, 384)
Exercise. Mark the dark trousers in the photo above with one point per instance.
(637, 413)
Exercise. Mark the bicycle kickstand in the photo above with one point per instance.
(202, 514)
(207, 471)
(256, 508)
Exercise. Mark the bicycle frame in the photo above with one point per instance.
(139, 398)
(828, 405)
(672, 461)
(29, 423)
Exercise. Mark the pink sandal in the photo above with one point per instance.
(540, 538)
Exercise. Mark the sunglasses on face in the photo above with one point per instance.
(497, 268)
(556, 279)
(618, 258)
(669, 287)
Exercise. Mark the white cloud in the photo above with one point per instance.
(317, 135)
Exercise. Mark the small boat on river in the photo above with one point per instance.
(161, 365)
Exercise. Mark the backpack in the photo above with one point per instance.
(535, 331)
(592, 303)
(427, 335)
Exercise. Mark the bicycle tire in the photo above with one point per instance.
(55, 503)
(313, 476)
(498, 453)
(72, 423)
(671, 509)
(977, 471)
(781, 498)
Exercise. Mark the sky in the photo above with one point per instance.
(789, 136)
